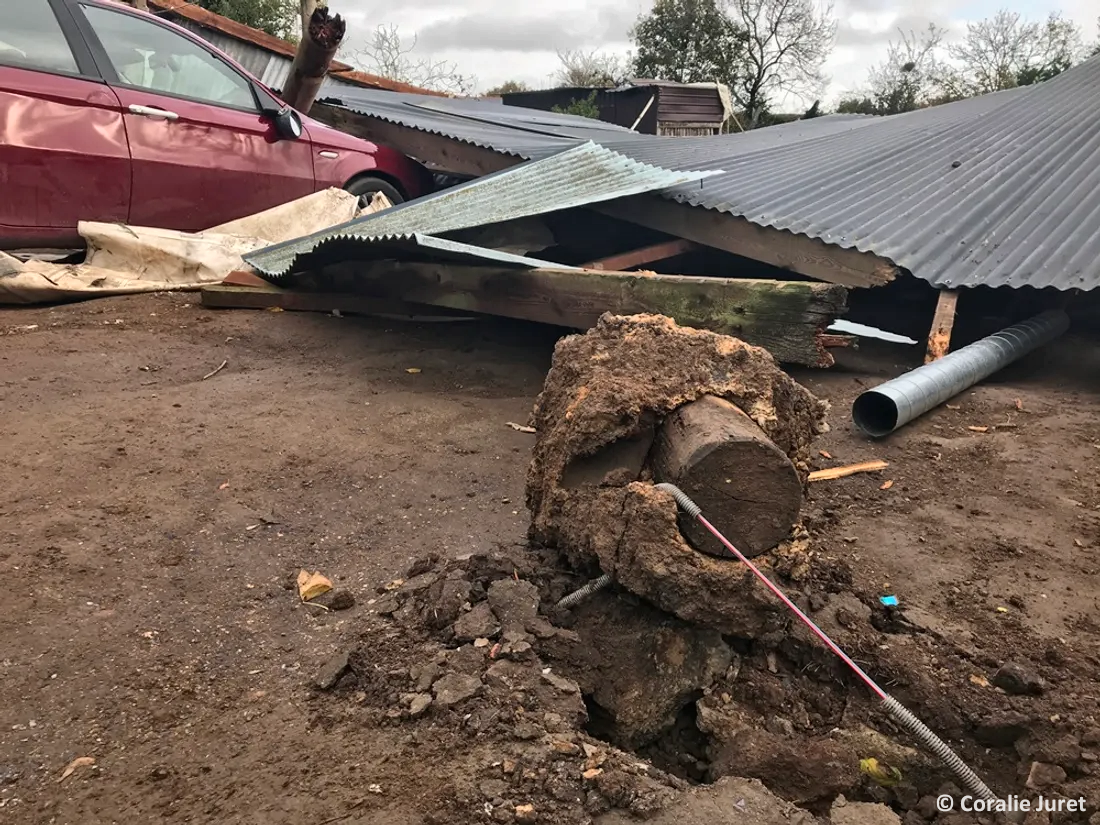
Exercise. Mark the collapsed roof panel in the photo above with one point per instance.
(578, 176)
(999, 190)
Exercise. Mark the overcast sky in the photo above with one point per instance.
(498, 40)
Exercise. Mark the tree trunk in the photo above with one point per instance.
(745, 485)
(307, 9)
(316, 50)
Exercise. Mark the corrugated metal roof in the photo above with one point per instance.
(1000, 190)
(574, 177)
(414, 246)
(525, 133)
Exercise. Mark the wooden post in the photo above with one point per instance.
(939, 338)
(316, 50)
(745, 485)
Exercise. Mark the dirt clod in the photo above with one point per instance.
(455, 688)
(332, 670)
(478, 623)
(1018, 680)
(844, 812)
(1043, 775)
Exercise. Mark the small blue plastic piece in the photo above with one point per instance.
(889, 601)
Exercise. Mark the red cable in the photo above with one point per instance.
(867, 680)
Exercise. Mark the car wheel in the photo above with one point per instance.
(366, 187)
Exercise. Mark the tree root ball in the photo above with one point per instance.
(617, 382)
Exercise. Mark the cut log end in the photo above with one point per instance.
(746, 486)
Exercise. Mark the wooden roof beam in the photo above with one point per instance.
(797, 253)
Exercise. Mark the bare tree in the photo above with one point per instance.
(787, 43)
(1005, 51)
(388, 55)
(591, 69)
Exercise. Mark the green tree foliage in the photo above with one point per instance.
(688, 41)
(279, 18)
(507, 87)
(582, 107)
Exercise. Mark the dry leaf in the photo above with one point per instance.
(79, 762)
(979, 680)
(886, 485)
(1078, 542)
(1002, 609)
(396, 583)
(274, 309)
(824, 454)
(223, 486)
(952, 406)
(978, 429)
(312, 585)
(413, 370)
(519, 427)
(1019, 405)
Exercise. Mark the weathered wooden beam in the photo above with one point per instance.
(227, 296)
(939, 337)
(435, 151)
(786, 250)
(646, 255)
(788, 318)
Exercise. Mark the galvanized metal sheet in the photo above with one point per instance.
(999, 190)
(414, 246)
(574, 177)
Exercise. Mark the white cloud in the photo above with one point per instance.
(498, 40)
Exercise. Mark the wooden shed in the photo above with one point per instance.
(652, 107)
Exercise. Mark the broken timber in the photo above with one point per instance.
(939, 338)
(788, 318)
(786, 250)
(745, 484)
(237, 296)
(645, 255)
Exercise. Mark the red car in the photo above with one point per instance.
(111, 114)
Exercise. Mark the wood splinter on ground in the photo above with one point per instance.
(831, 473)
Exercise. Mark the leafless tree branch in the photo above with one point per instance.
(389, 55)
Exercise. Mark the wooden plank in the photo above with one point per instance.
(645, 255)
(787, 318)
(939, 337)
(241, 277)
(224, 296)
(831, 473)
(797, 253)
(435, 151)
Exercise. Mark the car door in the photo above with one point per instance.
(202, 152)
(63, 150)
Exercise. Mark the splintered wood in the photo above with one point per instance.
(831, 473)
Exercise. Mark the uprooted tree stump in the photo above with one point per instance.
(590, 484)
(746, 486)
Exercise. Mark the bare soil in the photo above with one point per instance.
(152, 523)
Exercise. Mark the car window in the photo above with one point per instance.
(31, 37)
(161, 60)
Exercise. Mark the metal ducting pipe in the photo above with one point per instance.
(880, 411)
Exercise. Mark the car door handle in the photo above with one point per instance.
(153, 111)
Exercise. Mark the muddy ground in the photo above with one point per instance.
(151, 524)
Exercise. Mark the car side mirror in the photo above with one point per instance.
(288, 125)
